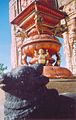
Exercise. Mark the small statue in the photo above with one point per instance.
(21, 33)
(40, 57)
(35, 58)
(24, 62)
(48, 57)
(35, 55)
(59, 30)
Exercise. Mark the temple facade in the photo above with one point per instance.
(69, 6)
(67, 29)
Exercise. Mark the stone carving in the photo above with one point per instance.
(26, 96)
(24, 3)
(74, 58)
(21, 33)
(24, 61)
(70, 9)
(42, 57)
(20, 85)
(74, 53)
(52, 3)
(59, 30)
(38, 21)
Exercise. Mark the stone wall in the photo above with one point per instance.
(63, 2)
(2, 98)
(63, 85)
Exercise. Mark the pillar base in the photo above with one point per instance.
(57, 72)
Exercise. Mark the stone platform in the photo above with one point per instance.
(63, 85)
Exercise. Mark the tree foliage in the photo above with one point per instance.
(2, 68)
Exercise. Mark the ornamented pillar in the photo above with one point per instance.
(70, 36)
(20, 35)
(19, 56)
(39, 24)
(67, 50)
(74, 58)
(74, 46)
(13, 48)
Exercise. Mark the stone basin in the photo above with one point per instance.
(43, 41)
(57, 72)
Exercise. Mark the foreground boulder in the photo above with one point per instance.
(26, 96)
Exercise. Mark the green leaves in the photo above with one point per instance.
(2, 68)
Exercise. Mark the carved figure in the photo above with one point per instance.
(26, 96)
(40, 57)
(24, 61)
(35, 58)
(59, 30)
(21, 33)
(38, 21)
(44, 57)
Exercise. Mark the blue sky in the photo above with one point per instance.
(5, 40)
(5, 35)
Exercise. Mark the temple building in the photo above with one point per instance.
(55, 17)
(69, 6)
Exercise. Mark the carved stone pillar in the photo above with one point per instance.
(69, 38)
(38, 34)
(19, 56)
(13, 48)
(74, 58)
(70, 9)
(67, 51)
(72, 43)
(73, 37)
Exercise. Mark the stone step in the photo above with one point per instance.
(62, 85)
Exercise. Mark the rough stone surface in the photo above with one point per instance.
(2, 100)
(26, 96)
(63, 85)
